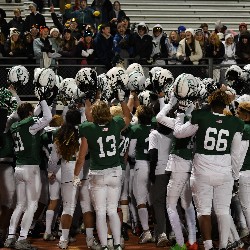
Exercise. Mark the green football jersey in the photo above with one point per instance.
(27, 146)
(6, 148)
(124, 143)
(141, 133)
(103, 142)
(246, 137)
(183, 148)
(215, 133)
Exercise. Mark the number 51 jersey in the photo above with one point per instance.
(27, 146)
(215, 133)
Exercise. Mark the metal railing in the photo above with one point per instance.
(69, 70)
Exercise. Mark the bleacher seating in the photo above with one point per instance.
(170, 14)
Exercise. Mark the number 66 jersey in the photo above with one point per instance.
(218, 138)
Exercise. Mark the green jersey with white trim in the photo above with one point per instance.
(103, 142)
(246, 137)
(215, 133)
(28, 147)
(124, 144)
(141, 134)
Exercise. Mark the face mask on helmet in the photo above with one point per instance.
(232, 74)
(86, 79)
(59, 80)
(68, 90)
(162, 79)
(144, 98)
(18, 75)
(136, 81)
(117, 78)
(44, 77)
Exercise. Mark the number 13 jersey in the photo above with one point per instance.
(103, 142)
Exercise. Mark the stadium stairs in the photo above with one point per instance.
(170, 14)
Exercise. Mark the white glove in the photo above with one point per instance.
(90, 51)
(84, 53)
(120, 95)
(76, 181)
(54, 55)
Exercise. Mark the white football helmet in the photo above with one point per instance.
(136, 81)
(18, 75)
(147, 84)
(232, 74)
(86, 79)
(243, 98)
(135, 67)
(101, 81)
(144, 97)
(44, 77)
(160, 78)
(186, 86)
(59, 80)
(117, 78)
(68, 89)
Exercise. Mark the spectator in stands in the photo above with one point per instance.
(34, 18)
(28, 46)
(172, 44)
(243, 48)
(104, 7)
(204, 26)
(2, 42)
(242, 28)
(13, 46)
(77, 5)
(189, 50)
(3, 23)
(115, 16)
(229, 56)
(55, 38)
(68, 50)
(159, 45)
(181, 32)
(122, 42)
(85, 48)
(34, 31)
(103, 44)
(75, 31)
(126, 22)
(42, 44)
(201, 38)
(17, 22)
(84, 15)
(215, 50)
(143, 45)
(39, 4)
(57, 19)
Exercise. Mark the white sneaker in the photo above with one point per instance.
(63, 244)
(162, 240)
(145, 237)
(93, 244)
(48, 237)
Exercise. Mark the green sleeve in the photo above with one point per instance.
(83, 129)
(119, 121)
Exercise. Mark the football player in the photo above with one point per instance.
(139, 148)
(215, 164)
(102, 137)
(26, 134)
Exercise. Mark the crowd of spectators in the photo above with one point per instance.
(101, 34)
